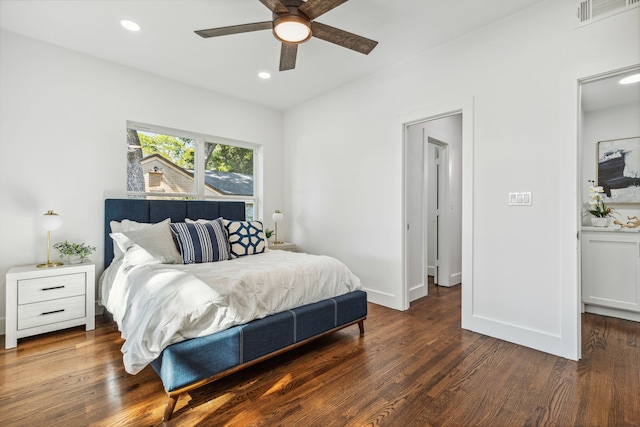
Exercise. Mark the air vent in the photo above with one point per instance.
(589, 11)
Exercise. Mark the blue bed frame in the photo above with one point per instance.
(190, 364)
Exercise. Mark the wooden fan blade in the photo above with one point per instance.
(235, 29)
(288, 54)
(342, 38)
(315, 8)
(275, 6)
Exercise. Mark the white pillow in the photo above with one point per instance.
(197, 221)
(125, 225)
(148, 245)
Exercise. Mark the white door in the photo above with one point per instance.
(435, 178)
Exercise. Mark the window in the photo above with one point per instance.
(170, 164)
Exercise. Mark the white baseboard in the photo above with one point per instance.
(417, 291)
(456, 279)
(384, 299)
(612, 312)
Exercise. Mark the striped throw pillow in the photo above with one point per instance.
(202, 242)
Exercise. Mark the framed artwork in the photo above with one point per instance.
(619, 170)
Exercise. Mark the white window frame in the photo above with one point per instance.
(198, 172)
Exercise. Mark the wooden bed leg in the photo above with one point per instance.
(361, 326)
(168, 410)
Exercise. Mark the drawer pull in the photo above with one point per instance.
(53, 287)
(52, 312)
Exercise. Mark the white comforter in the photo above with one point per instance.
(160, 304)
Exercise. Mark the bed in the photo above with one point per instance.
(189, 351)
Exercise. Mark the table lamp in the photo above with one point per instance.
(50, 221)
(277, 217)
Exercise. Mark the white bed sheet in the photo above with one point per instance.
(159, 304)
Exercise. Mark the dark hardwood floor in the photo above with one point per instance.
(413, 368)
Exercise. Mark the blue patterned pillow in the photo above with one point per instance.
(245, 237)
(201, 242)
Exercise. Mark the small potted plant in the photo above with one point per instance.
(76, 252)
(601, 213)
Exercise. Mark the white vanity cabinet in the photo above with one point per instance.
(611, 272)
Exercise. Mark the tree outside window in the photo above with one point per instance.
(161, 165)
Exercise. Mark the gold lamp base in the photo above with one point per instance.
(50, 264)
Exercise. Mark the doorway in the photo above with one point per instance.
(608, 112)
(433, 203)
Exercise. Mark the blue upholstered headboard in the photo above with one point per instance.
(141, 210)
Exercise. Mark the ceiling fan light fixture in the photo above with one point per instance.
(293, 22)
(292, 29)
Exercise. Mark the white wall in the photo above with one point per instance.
(522, 75)
(601, 125)
(63, 122)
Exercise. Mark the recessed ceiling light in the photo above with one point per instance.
(634, 78)
(264, 75)
(130, 25)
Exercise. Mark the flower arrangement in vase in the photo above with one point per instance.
(76, 252)
(601, 213)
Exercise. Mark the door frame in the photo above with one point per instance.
(462, 106)
(582, 77)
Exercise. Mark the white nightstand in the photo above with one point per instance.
(284, 246)
(43, 300)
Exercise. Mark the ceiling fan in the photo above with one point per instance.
(293, 23)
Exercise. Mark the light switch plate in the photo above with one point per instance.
(522, 198)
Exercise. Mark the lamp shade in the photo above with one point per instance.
(51, 221)
(277, 216)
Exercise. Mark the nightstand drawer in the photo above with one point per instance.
(47, 312)
(50, 288)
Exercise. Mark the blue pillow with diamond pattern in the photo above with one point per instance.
(245, 237)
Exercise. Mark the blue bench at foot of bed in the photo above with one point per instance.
(190, 364)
